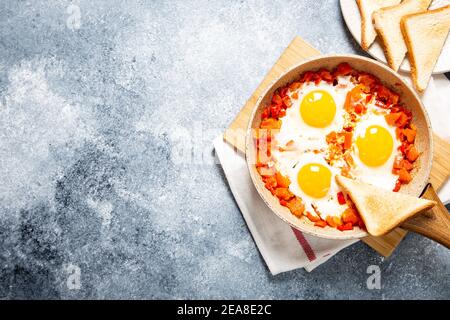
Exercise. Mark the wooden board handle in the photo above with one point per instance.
(434, 223)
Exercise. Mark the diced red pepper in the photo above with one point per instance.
(350, 216)
(341, 198)
(343, 69)
(410, 134)
(404, 176)
(276, 99)
(334, 221)
(412, 154)
(392, 118)
(320, 224)
(397, 187)
(282, 181)
(325, 75)
(347, 226)
(311, 217)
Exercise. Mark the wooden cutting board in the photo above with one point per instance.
(297, 51)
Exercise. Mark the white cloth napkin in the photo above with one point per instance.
(282, 247)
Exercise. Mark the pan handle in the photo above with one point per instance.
(434, 223)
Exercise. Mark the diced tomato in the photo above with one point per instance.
(312, 217)
(392, 118)
(353, 100)
(282, 181)
(294, 95)
(402, 120)
(387, 95)
(276, 99)
(404, 147)
(320, 224)
(399, 133)
(265, 114)
(283, 202)
(350, 215)
(407, 165)
(398, 163)
(283, 193)
(341, 198)
(283, 92)
(270, 123)
(275, 110)
(348, 140)
(296, 206)
(325, 75)
(404, 176)
(343, 69)
(295, 85)
(397, 187)
(412, 154)
(410, 134)
(308, 76)
(359, 108)
(282, 113)
(334, 221)
(331, 137)
(367, 79)
(270, 180)
(347, 226)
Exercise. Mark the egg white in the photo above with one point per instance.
(328, 205)
(305, 136)
(380, 176)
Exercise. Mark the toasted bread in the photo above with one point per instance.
(425, 34)
(387, 25)
(381, 210)
(366, 8)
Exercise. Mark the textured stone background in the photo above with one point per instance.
(89, 117)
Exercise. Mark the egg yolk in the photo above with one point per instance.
(318, 108)
(375, 147)
(314, 179)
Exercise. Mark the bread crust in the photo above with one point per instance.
(365, 21)
(387, 46)
(407, 36)
(373, 205)
(364, 43)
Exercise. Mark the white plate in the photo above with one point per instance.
(352, 18)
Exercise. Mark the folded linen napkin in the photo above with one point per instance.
(282, 247)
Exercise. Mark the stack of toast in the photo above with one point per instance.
(406, 28)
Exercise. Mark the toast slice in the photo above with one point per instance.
(381, 210)
(366, 9)
(425, 34)
(387, 25)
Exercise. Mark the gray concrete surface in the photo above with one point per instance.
(95, 98)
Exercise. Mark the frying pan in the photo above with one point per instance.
(424, 144)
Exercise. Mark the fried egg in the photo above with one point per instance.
(317, 110)
(312, 179)
(375, 147)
